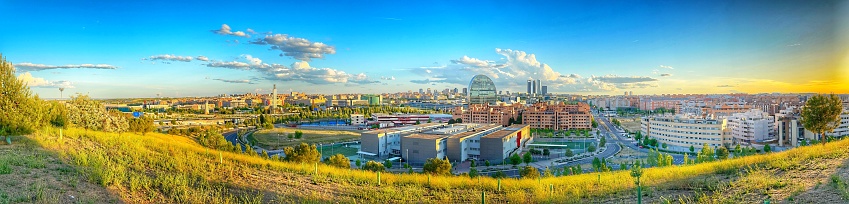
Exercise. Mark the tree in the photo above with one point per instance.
(637, 172)
(529, 172)
(486, 163)
(359, 163)
(302, 153)
(473, 172)
(527, 158)
(547, 173)
(387, 164)
(569, 153)
(499, 174)
(515, 159)
(638, 136)
(546, 152)
(298, 134)
(373, 166)
(602, 141)
(251, 152)
(437, 166)
(591, 148)
(804, 143)
(459, 120)
(821, 114)
(594, 124)
(451, 121)
(663, 145)
(767, 149)
(722, 153)
(18, 106)
(596, 164)
(693, 149)
(339, 160)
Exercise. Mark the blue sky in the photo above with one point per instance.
(133, 49)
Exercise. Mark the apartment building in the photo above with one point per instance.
(681, 132)
(753, 126)
(485, 113)
(558, 116)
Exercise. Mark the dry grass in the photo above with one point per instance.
(159, 168)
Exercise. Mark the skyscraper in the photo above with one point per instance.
(539, 89)
(534, 87)
(544, 90)
(465, 91)
(529, 87)
(273, 98)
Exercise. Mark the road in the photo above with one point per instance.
(616, 133)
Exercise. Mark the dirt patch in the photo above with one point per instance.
(277, 138)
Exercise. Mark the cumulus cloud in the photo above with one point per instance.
(31, 81)
(665, 75)
(203, 58)
(26, 66)
(171, 58)
(298, 71)
(515, 68)
(225, 30)
(298, 48)
(666, 67)
(242, 81)
(251, 31)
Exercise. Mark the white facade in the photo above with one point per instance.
(754, 126)
(358, 119)
(681, 132)
(843, 128)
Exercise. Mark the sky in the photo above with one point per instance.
(123, 49)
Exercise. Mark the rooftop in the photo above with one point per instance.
(426, 136)
(505, 132)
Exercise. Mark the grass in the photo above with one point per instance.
(159, 168)
(269, 139)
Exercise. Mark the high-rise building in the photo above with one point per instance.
(544, 90)
(529, 87)
(534, 88)
(631, 93)
(421, 91)
(465, 91)
(482, 90)
(538, 87)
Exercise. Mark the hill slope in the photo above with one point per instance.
(157, 168)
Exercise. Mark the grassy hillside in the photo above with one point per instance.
(158, 168)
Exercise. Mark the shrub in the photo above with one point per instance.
(302, 153)
(373, 166)
(529, 172)
(340, 161)
(437, 166)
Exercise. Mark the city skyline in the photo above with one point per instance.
(126, 49)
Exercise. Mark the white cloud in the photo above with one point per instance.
(242, 81)
(298, 71)
(31, 81)
(251, 31)
(665, 75)
(171, 58)
(515, 68)
(225, 30)
(26, 66)
(666, 67)
(203, 58)
(389, 78)
(298, 48)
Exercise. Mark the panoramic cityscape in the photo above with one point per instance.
(425, 102)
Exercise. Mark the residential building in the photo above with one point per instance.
(680, 132)
(358, 119)
(558, 116)
(753, 126)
